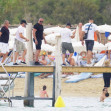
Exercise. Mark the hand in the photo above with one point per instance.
(83, 43)
(36, 42)
(45, 41)
(26, 39)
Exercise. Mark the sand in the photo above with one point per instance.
(91, 87)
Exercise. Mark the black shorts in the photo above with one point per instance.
(38, 46)
(89, 44)
(106, 77)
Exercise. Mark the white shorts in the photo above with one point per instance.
(4, 48)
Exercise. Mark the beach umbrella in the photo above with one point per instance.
(104, 28)
(78, 47)
(101, 62)
(77, 34)
(47, 47)
(51, 38)
(109, 37)
(99, 46)
(108, 45)
(52, 30)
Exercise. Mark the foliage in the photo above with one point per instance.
(56, 11)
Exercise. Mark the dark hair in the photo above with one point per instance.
(68, 24)
(107, 94)
(44, 87)
(90, 18)
(104, 89)
(23, 21)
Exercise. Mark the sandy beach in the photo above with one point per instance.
(91, 87)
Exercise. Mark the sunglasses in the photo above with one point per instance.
(41, 21)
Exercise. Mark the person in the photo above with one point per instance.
(66, 36)
(80, 30)
(43, 93)
(43, 61)
(104, 95)
(90, 38)
(19, 42)
(107, 76)
(4, 39)
(38, 37)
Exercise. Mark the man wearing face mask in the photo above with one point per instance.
(19, 42)
(38, 37)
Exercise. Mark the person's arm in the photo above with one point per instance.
(98, 36)
(20, 34)
(47, 95)
(34, 36)
(43, 62)
(71, 34)
(44, 38)
(83, 33)
(0, 34)
(74, 34)
(2, 31)
(95, 27)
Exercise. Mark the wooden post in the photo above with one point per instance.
(29, 77)
(58, 67)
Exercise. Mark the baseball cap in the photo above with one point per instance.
(68, 24)
(23, 21)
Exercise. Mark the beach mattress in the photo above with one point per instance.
(80, 77)
(97, 76)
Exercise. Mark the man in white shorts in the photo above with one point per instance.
(4, 38)
(19, 43)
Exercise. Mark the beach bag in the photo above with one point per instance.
(86, 34)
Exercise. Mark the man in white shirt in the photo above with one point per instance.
(19, 42)
(90, 38)
(66, 36)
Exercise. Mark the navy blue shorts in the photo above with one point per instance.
(89, 44)
(38, 46)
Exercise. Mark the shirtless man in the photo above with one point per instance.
(104, 95)
(43, 93)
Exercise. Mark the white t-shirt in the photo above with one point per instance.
(66, 35)
(20, 30)
(91, 31)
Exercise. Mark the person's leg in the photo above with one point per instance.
(38, 50)
(4, 57)
(23, 55)
(18, 47)
(89, 56)
(106, 78)
(105, 81)
(90, 44)
(108, 54)
(63, 52)
(1, 54)
(108, 82)
(15, 57)
(72, 62)
(37, 55)
(71, 50)
(70, 56)
(63, 58)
